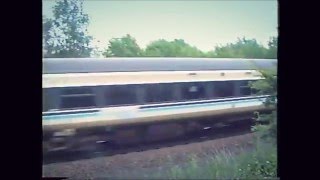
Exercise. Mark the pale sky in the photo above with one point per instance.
(203, 24)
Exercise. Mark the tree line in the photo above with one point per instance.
(127, 46)
(66, 35)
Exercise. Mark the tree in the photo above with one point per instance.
(47, 25)
(66, 34)
(267, 123)
(159, 48)
(272, 48)
(176, 48)
(125, 46)
(210, 54)
(243, 48)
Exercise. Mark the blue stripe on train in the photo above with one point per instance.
(201, 102)
(215, 105)
(64, 116)
(70, 112)
(248, 103)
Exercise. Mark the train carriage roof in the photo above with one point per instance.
(95, 65)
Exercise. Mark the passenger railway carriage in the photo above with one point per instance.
(129, 100)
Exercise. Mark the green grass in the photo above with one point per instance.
(259, 163)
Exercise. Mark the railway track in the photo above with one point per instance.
(105, 149)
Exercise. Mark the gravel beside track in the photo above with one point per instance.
(137, 165)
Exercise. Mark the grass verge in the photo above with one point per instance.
(258, 163)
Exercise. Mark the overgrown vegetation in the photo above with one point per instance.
(257, 164)
(266, 124)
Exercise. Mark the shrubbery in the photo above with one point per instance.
(258, 163)
(266, 124)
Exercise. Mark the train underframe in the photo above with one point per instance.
(126, 135)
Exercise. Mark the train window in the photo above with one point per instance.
(245, 89)
(45, 100)
(167, 92)
(223, 88)
(159, 92)
(74, 91)
(193, 91)
(253, 91)
(77, 98)
(208, 86)
(120, 94)
(152, 91)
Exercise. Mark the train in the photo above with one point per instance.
(133, 100)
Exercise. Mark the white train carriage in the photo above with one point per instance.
(81, 94)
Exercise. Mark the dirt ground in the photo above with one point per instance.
(137, 165)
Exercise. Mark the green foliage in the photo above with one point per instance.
(272, 48)
(243, 48)
(266, 124)
(268, 85)
(47, 25)
(176, 48)
(210, 54)
(66, 34)
(260, 163)
(123, 47)
(266, 127)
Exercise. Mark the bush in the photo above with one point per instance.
(260, 163)
(266, 124)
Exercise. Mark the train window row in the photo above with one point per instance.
(115, 95)
(77, 98)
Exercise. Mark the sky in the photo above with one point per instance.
(204, 24)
